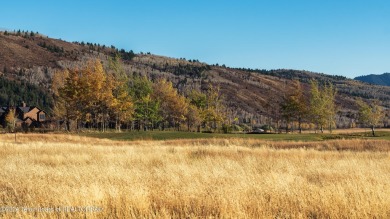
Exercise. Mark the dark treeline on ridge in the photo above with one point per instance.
(101, 97)
(145, 91)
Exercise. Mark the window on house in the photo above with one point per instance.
(41, 116)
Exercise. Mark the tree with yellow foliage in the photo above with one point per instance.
(87, 93)
(370, 114)
(214, 113)
(95, 97)
(322, 105)
(197, 108)
(206, 108)
(173, 106)
(68, 104)
(10, 119)
(123, 107)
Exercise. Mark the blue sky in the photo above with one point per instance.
(341, 37)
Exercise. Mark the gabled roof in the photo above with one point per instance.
(29, 108)
(25, 109)
(28, 118)
(40, 110)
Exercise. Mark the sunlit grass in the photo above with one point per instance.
(223, 178)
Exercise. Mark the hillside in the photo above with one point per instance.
(383, 79)
(32, 59)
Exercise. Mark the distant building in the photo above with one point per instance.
(26, 116)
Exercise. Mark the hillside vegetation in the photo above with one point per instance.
(383, 79)
(13, 92)
(251, 95)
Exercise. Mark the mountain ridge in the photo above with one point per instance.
(32, 58)
(381, 79)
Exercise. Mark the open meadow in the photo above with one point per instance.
(57, 176)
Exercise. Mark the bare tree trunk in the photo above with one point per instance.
(292, 127)
(300, 125)
(67, 125)
(116, 123)
(286, 126)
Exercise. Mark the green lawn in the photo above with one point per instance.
(169, 135)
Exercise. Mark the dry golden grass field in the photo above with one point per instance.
(60, 176)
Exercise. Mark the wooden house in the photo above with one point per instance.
(26, 116)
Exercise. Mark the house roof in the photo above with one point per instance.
(40, 110)
(28, 109)
(25, 109)
(28, 118)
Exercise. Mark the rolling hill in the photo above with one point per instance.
(31, 59)
(383, 79)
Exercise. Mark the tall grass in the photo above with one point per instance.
(233, 178)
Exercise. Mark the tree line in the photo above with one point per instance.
(14, 92)
(319, 108)
(99, 98)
